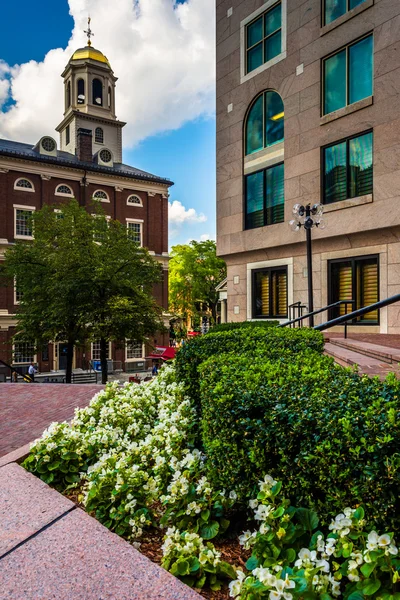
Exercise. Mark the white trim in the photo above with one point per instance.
(243, 76)
(134, 203)
(16, 302)
(23, 189)
(267, 264)
(109, 351)
(140, 221)
(100, 199)
(27, 209)
(132, 360)
(65, 195)
(25, 362)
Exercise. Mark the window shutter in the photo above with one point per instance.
(345, 287)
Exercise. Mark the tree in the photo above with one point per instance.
(81, 277)
(194, 272)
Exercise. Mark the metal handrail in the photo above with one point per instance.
(358, 313)
(25, 377)
(316, 312)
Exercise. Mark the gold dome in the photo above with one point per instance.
(89, 52)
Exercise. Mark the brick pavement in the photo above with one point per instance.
(27, 409)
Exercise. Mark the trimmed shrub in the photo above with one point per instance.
(331, 436)
(242, 325)
(266, 343)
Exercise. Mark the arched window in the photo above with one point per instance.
(109, 96)
(24, 184)
(97, 92)
(265, 122)
(101, 196)
(68, 99)
(99, 135)
(134, 200)
(63, 190)
(81, 91)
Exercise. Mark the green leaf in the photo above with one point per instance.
(200, 582)
(359, 514)
(252, 563)
(372, 587)
(205, 515)
(277, 488)
(308, 518)
(290, 555)
(278, 512)
(209, 531)
(226, 569)
(194, 564)
(53, 466)
(367, 569)
(357, 595)
(224, 524)
(183, 567)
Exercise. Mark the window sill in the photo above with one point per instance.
(263, 67)
(24, 237)
(346, 17)
(349, 203)
(347, 110)
(264, 158)
(135, 360)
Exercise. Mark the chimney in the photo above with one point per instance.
(84, 145)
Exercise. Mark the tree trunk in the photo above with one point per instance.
(70, 358)
(103, 360)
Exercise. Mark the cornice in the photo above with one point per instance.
(88, 117)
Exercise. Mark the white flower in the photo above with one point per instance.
(265, 576)
(384, 540)
(233, 495)
(264, 528)
(262, 513)
(372, 541)
(267, 484)
(253, 503)
(235, 587)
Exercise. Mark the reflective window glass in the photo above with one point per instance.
(360, 70)
(254, 127)
(254, 32)
(265, 122)
(354, 3)
(265, 197)
(274, 195)
(255, 200)
(254, 58)
(334, 9)
(274, 118)
(263, 38)
(335, 82)
(335, 183)
(360, 165)
(273, 46)
(273, 19)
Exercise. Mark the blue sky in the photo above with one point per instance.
(186, 154)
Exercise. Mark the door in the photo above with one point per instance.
(62, 357)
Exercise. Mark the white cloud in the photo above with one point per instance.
(162, 53)
(178, 214)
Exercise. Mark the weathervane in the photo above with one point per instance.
(89, 32)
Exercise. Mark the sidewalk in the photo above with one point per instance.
(49, 548)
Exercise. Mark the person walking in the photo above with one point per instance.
(32, 371)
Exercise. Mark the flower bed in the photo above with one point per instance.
(131, 459)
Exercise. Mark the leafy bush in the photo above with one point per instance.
(266, 343)
(242, 325)
(333, 437)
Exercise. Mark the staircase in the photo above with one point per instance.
(371, 358)
(84, 377)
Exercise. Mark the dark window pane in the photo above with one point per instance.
(335, 176)
(254, 58)
(334, 9)
(270, 293)
(360, 70)
(255, 200)
(355, 279)
(361, 168)
(274, 121)
(341, 287)
(335, 82)
(354, 3)
(262, 294)
(255, 32)
(273, 20)
(254, 127)
(273, 46)
(367, 287)
(275, 195)
(279, 293)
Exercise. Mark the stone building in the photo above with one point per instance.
(86, 165)
(308, 111)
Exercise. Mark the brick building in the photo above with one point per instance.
(87, 164)
(308, 111)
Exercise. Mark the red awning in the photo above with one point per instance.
(165, 353)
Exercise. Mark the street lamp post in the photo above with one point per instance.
(308, 217)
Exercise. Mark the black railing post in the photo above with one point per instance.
(307, 226)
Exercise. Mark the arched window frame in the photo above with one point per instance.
(97, 91)
(99, 135)
(80, 91)
(265, 143)
(24, 188)
(101, 196)
(133, 203)
(65, 194)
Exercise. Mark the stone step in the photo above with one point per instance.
(366, 364)
(383, 353)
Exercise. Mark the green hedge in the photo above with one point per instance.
(331, 436)
(242, 325)
(266, 343)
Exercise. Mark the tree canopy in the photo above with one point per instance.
(82, 279)
(194, 273)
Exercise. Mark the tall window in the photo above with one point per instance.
(24, 352)
(23, 225)
(348, 168)
(269, 293)
(99, 135)
(348, 75)
(97, 92)
(135, 231)
(264, 38)
(354, 279)
(68, 92)
(264, 195)
(265, 122)
(96, 351)
(80, 91)
(133, 350)
(67, 135)
(333, 9)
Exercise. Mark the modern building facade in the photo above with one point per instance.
(308, 112)
(87, 165)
